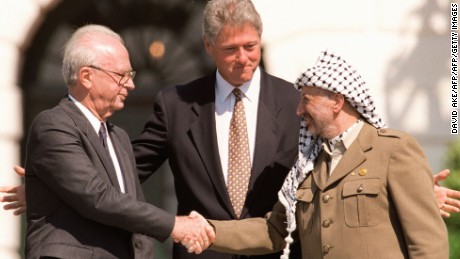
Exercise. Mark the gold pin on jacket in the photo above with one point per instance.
(362, 171)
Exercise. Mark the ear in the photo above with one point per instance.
(207, 45)
(85, 77)
(339, 102)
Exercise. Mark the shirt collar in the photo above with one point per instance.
(249, 89)
(88, 114)
(343, 141)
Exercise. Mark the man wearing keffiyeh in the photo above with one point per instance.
(357, 190)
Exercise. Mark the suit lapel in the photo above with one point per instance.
(320, 170)
(85, 126)
(203, 135)
(267, 128)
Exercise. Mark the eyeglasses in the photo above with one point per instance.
(124, 77)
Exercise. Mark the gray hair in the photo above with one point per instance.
(79, 51)
(219, 13)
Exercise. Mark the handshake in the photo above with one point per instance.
(194, 232)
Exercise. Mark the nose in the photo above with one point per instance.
(300, 109)
(129, 85)
(241, 55)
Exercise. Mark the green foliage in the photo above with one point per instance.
(452, 162)
(454, 243)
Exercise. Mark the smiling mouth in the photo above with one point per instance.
(242, 66)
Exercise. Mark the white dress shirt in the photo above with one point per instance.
(96, 125)
(225, 102)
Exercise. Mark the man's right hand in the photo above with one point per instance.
(195, 229)
(16, 200)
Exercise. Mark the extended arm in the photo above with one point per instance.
(253, 236)
(150, 148)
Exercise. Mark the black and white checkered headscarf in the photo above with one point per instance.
(331, 73)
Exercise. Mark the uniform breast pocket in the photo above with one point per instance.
(305, 208)
(361, 202)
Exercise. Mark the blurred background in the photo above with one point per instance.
(401, 48)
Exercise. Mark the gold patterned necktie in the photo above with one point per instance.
(239, 160)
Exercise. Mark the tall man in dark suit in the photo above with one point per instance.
(83, 193)
(190, 124)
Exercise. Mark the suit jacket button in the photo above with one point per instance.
(326, 198)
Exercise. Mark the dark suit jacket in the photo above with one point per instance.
(74, 206)
(182, 129)
(377, 203)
